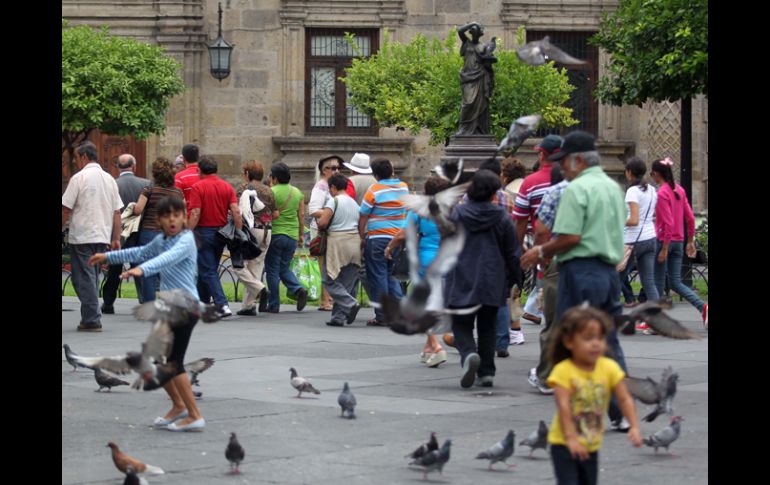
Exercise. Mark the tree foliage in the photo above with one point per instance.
(658, 50)
(416, 85)
(118, 85)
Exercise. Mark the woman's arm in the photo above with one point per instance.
(325, 218)
(301, 217)
(633, 217)
(462, 30)
(139, 207)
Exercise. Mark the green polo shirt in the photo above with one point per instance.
(287, 222)
(592, 207)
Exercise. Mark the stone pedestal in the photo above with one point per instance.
(473, 149)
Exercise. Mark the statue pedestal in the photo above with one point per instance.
(473, 149)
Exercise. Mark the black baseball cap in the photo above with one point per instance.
(575, 142)
(549, 144)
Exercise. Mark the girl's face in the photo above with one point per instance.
(172, 223)
(629, 177)
(587, 344)
(656, 177)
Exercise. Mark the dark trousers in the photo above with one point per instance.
(572, 471)
(85, 280)
(550, 289)
(111, 283)
(486, 327)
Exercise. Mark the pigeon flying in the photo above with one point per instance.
(537, 439)
(666, 436)
(426, 448)
(106, 380)
(234, 454)
(301, 384)
(437, 207)
(521, 129)
(198, 367)
(500, 451)
(659, 393)
(434, 460)
(651, 312)
(123, 462)
(72, 358)
(347, 402)
(538, 52)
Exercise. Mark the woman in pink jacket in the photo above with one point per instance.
(671, 213)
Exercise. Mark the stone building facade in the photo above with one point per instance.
(262, 109)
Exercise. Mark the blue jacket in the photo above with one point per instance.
(488, 265)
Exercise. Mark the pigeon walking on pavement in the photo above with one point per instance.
(499, 451)
(106, 380)
(651, 312)
(537, 439)
(425, 448)
(301, 384)
(434, 460)
(538, 52)
(123, 462)
(72, 358)
(347, 402)
(659, 393)
(234, 454)
(666, 436)
(198, 367)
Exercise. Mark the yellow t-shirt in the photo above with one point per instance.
(590, 399)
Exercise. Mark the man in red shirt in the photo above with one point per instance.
(188, 176)
(210, 199)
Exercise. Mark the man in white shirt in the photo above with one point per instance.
(92, 205)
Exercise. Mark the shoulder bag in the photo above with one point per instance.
(317, 246)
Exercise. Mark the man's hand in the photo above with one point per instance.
(96, 259)
(136, 272)
(530, 258)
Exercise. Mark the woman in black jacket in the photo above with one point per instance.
(486, 270)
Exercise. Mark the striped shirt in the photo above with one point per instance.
(175, 258)
(531, 193)
(382, 203)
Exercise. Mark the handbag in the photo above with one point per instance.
(628, 249)
(317, 246)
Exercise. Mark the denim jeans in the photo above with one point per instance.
(573, 471)
(378, 272)
(150, 284)
(279, 256)
(643, 258)
(112, 282)
(673, 267)
(209, 255)
(503, 327)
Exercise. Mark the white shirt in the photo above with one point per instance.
(347, 214)
(646, 201)
(318, 198)
(93, 197)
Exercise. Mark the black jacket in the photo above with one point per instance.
(488, 265)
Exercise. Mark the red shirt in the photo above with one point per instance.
(351, 189)
(213, 197)
(185, 179)
(531, 193)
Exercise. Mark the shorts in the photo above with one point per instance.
(182, 336)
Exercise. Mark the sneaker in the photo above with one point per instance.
(271, 310)
(263, 297)
(301, 299)
(89, 327)
(649, 331)
(225, 311)
(620, 425)
(449, 339)
(435, 359)
(108, 309)
(642, 326)
(471, 365)
(247, 312)
(705, 316)
(535, 382)
(517, 337)
(335, 324)
(484, 381)
(503, 353)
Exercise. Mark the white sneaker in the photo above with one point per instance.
(225, 311)
(535, 382)
(517, 337)
(437, 358)
(424, 356)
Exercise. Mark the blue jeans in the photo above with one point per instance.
(643, 258)
(209, 255)
(592, 280)
(277, 261)
(378, 272)
(503, 327)
(150, 284)
(673, 266)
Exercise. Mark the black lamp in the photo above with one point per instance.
(219, 53)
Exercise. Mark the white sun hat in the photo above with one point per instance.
(359, 163)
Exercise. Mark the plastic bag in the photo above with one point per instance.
(305, 268)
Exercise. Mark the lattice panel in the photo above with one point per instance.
(662, 134)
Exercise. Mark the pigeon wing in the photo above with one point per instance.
(662, 323)
(200, 365)
(645, 390)
(555, 54)
(116, 365)
(158, 343)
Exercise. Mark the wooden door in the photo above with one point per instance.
(109, 148)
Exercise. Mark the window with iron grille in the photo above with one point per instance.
(584, 106)
(327, 103)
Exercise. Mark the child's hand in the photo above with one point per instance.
(635, 437)
(97, 258)
(577, 449)
(135, 272)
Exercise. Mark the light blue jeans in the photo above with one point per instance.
(644, 254)
(673, 267)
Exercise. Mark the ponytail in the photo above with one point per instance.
(637, 168)
(663, 167)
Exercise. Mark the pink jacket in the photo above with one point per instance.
(671, 213)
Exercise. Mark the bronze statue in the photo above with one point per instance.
(477, 80)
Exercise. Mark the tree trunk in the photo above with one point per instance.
(70, 141)
(685, 177)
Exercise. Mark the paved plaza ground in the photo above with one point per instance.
(400, 401)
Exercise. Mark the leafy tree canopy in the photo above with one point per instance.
(658, 50)
(416, 85)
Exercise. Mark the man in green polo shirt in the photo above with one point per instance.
(589, 223)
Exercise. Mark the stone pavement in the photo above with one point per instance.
(401, 401)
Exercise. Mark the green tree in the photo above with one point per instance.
(416, 85)
(118, 85)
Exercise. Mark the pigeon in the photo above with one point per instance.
(490, 47)
(423, 310)
(538, 52)
(499, 451)
(434, 460)
(234, 454)
(301, 384)
(132, 478)
(452, 171)
(651, 312)
(123, 462)
(347, 402)
(198, 367)
(437, 207)
(521, 129)
(659, 393)
(72, 358)
(106, 380)
(424, 449)
(537, 439)
(665, 436)
(172, 309)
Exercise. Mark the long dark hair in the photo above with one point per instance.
(573, 321)
(638, 168)
(664, 169)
